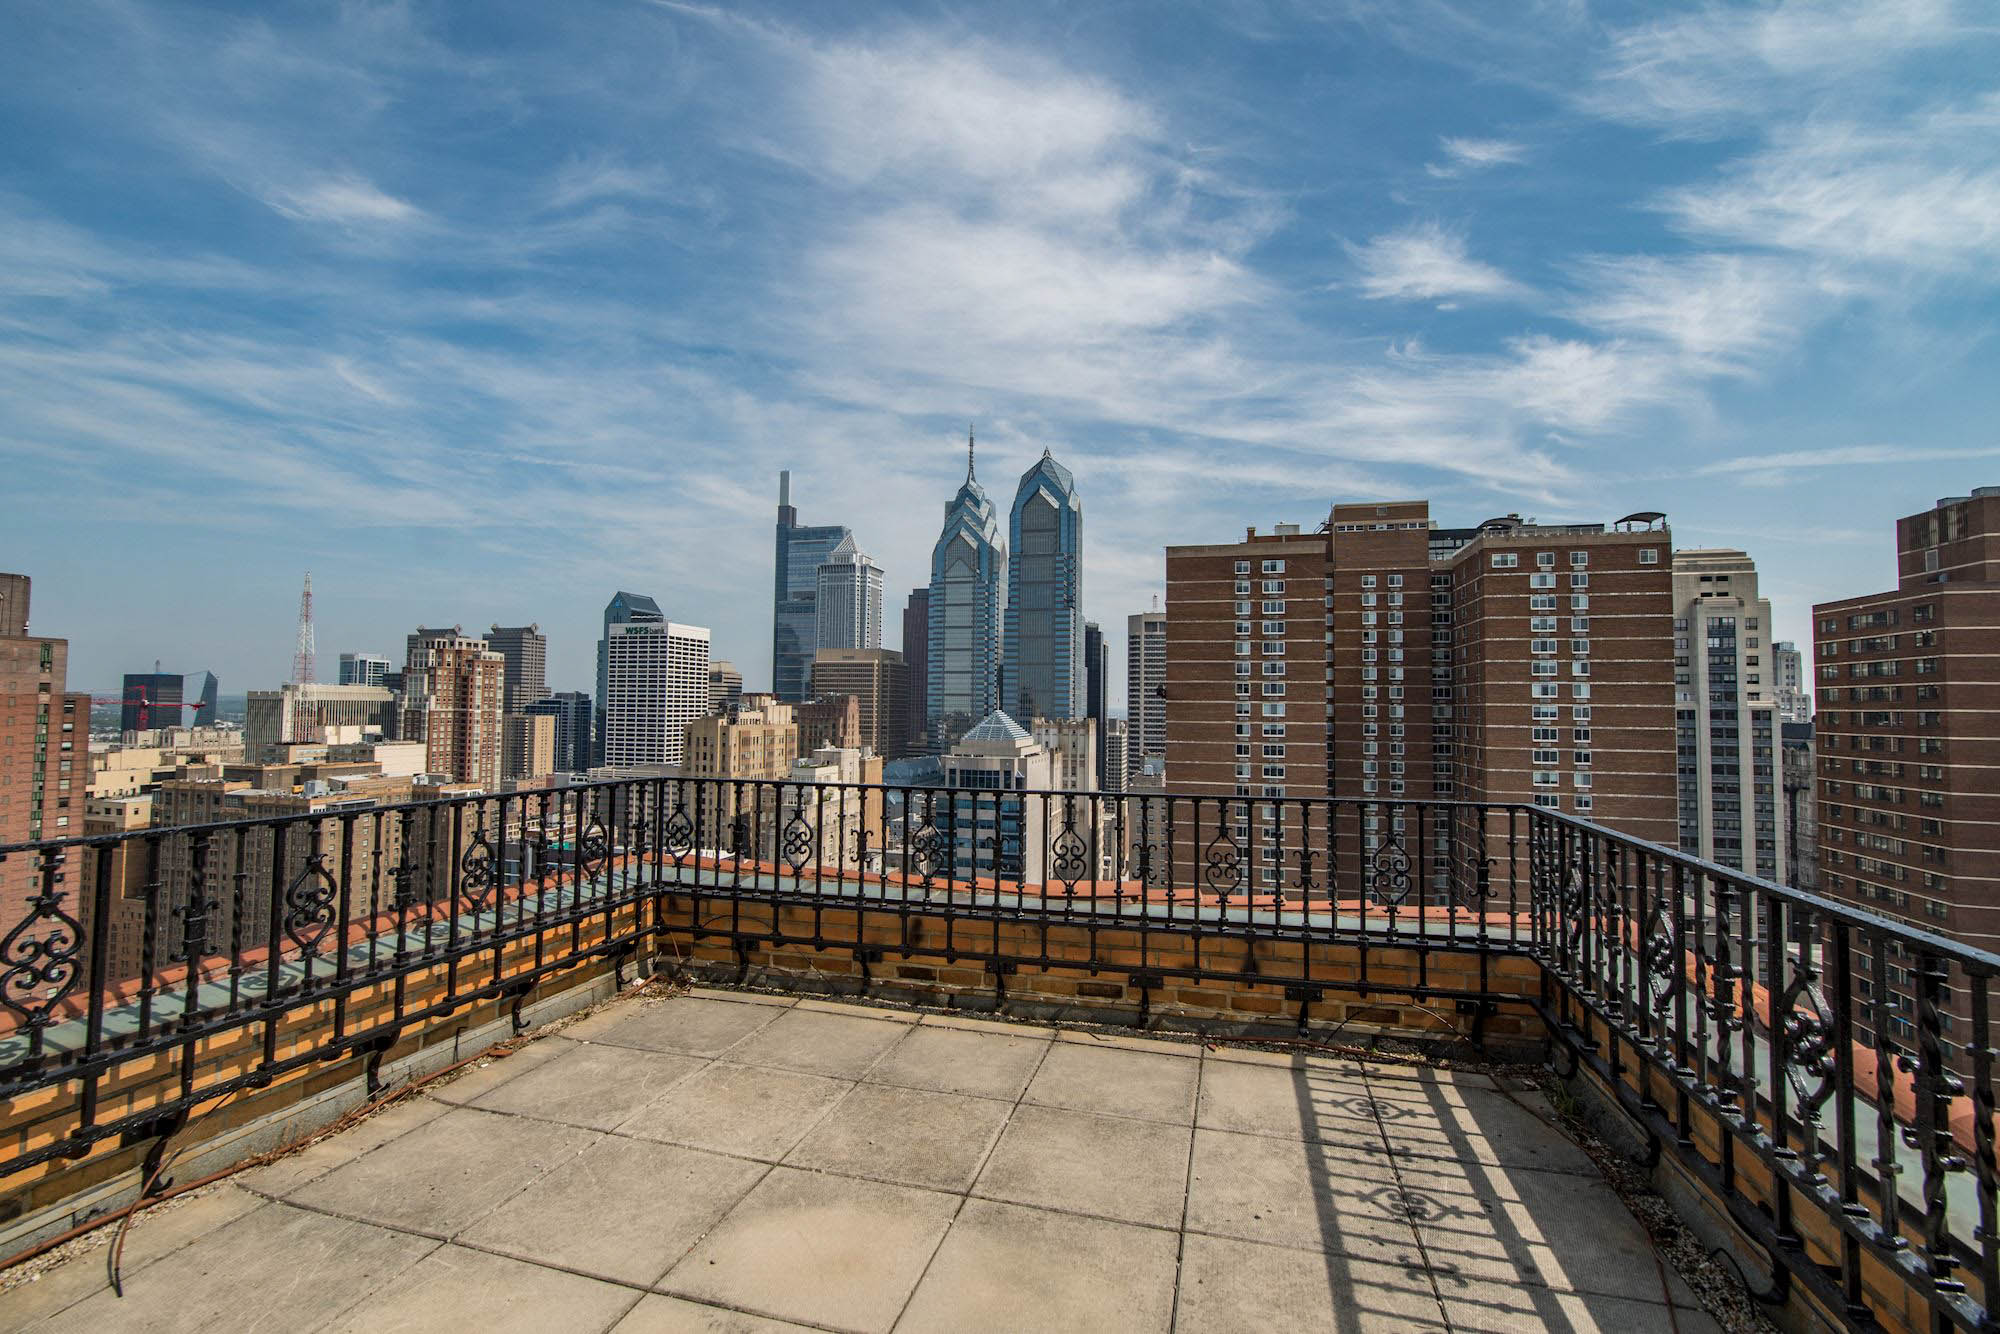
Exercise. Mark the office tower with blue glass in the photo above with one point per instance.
(968, 597)
(1043, 674)
(795, 594)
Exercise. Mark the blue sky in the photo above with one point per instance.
(484, 311)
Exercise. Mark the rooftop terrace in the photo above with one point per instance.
(740, 1161)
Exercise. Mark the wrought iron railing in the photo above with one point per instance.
(1828, 1072)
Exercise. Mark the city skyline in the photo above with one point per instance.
(505, 338)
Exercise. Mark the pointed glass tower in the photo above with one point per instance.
(1045, 673)
(968, 594)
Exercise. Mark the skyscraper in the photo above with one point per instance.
(363, 669)
(44, 746)
(849, 599)
(526, 651)
(1145, 689)
(879, 679)
(1042, 670)
(725, 687)
(623, 609)
(1095, 667)
(656, 683)
(153, 700)
(1794, 699)
(452, 692)
(795, 594)
(571, 709)
(917, 653)
(1725, 715)
(1909, 773)
(967, 597)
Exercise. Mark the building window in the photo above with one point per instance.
(1649, 555)
(1506, 560)
(1242, 567)
(1541, 581)
(1274, 567)
(1578, 559)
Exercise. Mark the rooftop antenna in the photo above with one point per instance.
(968, 451)
(303, 655)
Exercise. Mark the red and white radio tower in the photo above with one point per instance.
(303, 656)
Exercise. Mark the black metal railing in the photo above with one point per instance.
(1837, 1065)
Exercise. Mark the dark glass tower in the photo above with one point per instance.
(795, 594)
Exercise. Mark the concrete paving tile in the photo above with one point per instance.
(1118, 1082)
(1497, 1225)
(743, 997)
(1298, 1102)
(908, 1136)
(827, 1250)
(947, 1060)
(288, 1173)
(968, 1024)
(1325, 1197)
(1419, 1073)
(1465, 1123)
(457, 1288)
(1006, 1268)
(816, 1042)
(858, 1010)
(592, 1086)
(1507, 1308)
(694, 1025)
(156, 1234)
(489, 1072)
(623, 1209)
(276, 1268)
(1104, 1165)
(444, 1176)
(741, 1109)
(1293, 1059)
(1091, 1037)
(1240, 1287)
(656, 1314)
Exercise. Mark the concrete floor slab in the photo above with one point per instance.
(1323, 1197)
(694, 1025)
(1241, 1287)
(157, 1233)
(444, 1176)
(948, 1060)
(489, 1072)
(457, 1288)
(739, 1109)
(1294, 1100)
(1117, 1082)
(907, 1136)
(592, 1086)
(1483, 1224)
(1133, 1183)
(1465, 1123)
(1006, 1268)
(1113, 1167)
(276, 1268)
(287, 1174)
(623, 1209)
(817, 1042)
(657, 1314)
(828, 1250)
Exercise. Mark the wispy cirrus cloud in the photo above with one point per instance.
(1425, 262)
(1462, 155)
(347, 200)
(1841, 456)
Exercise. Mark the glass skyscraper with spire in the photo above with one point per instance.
(968, 596)
(1045, 675)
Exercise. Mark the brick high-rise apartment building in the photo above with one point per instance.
(1909, 782)
(44, 751)
(453, 689)
(1385, 658)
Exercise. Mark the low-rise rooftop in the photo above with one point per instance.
(724, 1160)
